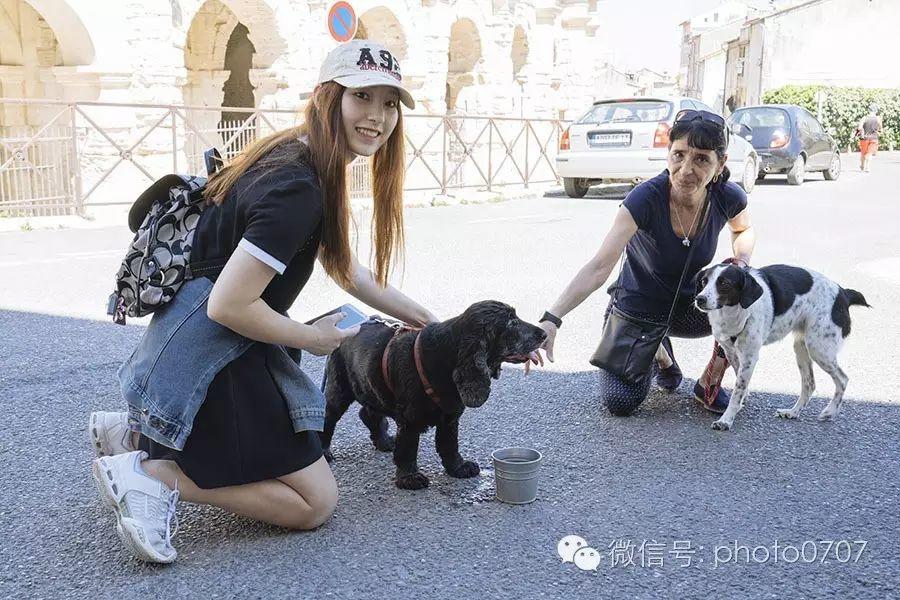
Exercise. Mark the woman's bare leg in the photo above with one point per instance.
(303, 499)
(663, 358)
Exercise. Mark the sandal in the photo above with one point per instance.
(670, 378)
(714, 399)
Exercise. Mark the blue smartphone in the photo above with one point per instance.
(352, 317)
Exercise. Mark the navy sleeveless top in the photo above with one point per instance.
(655, 255)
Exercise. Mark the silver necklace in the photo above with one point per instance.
(686, 242)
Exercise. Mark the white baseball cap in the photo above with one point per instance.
(364, 63)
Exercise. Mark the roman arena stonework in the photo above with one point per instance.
(506, 58)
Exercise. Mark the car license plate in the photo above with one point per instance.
(610, 139)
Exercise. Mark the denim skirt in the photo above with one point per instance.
(243, 431)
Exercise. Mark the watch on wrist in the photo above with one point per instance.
(548, 316)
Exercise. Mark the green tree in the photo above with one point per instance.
(842, 109)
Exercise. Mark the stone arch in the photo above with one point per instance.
(229, 46)
(210, 28)
(41, 41)
(381, 24)
(42, 45)
(27, 39)
(207, 37)
(75, 44)
(463, 54)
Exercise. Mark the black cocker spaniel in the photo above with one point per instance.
(458, 358)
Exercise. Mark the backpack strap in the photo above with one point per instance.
(213, 160)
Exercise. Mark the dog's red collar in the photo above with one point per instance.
(417, 357)
(384, 358)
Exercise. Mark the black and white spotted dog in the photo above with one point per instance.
(751, 307)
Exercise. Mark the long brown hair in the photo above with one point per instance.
(327, 149)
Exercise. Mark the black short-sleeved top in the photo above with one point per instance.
(276, 216)
(655, 256)
(243, 432)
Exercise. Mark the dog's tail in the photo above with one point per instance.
(855, 298)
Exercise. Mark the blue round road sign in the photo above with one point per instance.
(342, 21)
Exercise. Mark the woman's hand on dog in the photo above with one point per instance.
(550, 329)
(329, 337)
(427, 318)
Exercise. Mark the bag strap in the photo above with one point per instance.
(190, 189)
(687, 263)
(213, 160)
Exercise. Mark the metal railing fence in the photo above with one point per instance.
(59, 157)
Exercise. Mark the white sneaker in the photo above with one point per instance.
(109, 433)
(144, 506)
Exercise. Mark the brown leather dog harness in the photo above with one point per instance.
(417, 357)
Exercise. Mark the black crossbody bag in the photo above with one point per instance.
(628, 345)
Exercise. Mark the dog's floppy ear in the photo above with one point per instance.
(750, 290)
(697, 279)
(472, 375)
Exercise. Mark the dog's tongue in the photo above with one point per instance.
(533, 357)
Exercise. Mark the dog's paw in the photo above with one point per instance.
(464, 470)
(385, 444)
(721, 425)
(787, 413)
(412, 481)
(827, 415)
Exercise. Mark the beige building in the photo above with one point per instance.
(477, 56)
(463, 58)
(826, 42)
(616, 83)
(705, 39)
(531, 58)
(816, 42)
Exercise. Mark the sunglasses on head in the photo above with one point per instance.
(687, 115)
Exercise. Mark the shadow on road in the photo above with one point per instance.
(781, 180)
(660, 474)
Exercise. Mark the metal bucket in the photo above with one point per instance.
(516, 474)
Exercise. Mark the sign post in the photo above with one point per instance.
(342, 22)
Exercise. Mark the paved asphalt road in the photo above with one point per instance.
(660, 476)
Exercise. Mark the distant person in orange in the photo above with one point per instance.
(868, 130)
